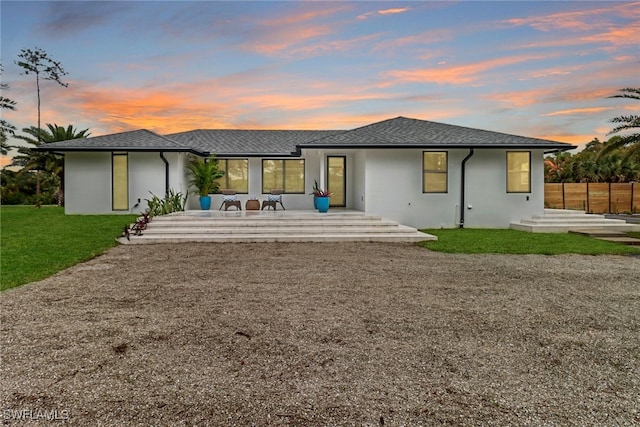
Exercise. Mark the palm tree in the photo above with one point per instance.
(557, 168)
(5, 126)
(626, 123)
(31, 159)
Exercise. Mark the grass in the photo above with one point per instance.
(507, 241)
(36, 243)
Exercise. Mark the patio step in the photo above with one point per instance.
(563, 221)
(609, 235)
(279, 226)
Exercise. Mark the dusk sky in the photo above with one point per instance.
(540, 69)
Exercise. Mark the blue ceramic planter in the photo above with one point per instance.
(205, 203)
(322, 204)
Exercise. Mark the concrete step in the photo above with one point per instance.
(256, 238)
(632, 241)
(276, 230)
(598, 232)
(562, 221)
(273, 223)
(225, 227)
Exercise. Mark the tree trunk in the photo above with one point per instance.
(39, 141)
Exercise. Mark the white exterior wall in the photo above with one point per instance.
(385, 182)
(88, 180)
(394, 189)
(87, 183)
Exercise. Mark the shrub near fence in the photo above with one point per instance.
(593, 197)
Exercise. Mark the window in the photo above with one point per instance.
(236, 175)
(518, 172)
(285, 174)
(435, 172)
(120, 182)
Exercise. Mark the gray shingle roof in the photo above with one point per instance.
(400, 132)
(230, 142)
(137, 140)
(405, 132)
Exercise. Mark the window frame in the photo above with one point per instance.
(225, 185)
(284, 175)
(509, 173)
(425, 171)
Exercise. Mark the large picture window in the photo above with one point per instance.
(120, 182)
(518, 172)
(435, 172)
(236, 175)
(283, 174)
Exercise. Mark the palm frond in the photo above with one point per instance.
(628, 92)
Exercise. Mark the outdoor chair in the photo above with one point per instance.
(229, 198)
(272, 200)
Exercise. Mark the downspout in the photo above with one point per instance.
(166, 174)
(462, 187)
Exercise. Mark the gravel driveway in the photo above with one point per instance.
(324, 334)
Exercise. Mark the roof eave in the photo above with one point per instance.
(63, 150)
(552, 147)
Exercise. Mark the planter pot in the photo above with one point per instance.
(205, 203)
(315, 202)
(322, 204)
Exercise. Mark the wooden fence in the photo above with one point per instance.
(594, 197)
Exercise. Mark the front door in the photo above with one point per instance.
(337, 180)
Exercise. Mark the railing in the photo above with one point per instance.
(593, 197)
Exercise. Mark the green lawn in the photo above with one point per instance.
(478, 241)
(35, 243)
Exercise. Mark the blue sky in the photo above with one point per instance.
(541, 69)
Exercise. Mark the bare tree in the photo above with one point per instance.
(38, 63)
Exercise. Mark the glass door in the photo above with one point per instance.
(337, 180)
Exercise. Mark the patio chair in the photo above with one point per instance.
(230, 198)
(272, 199)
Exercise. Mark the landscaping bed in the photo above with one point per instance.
(324, 334)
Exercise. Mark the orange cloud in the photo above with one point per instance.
(593, 22)
(591, 110)
(573, 139)
(582, 20)
(282, 35)
(524, 98)
(5, 161)
(426, 38)
(461, 74)
(392, 11)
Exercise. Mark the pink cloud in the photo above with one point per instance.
(572, 111)
(286, 34)
(391, 11)
(582, 20)
(460, 74)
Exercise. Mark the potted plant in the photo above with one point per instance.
(315, 191)
(320, 198)
(204, 176)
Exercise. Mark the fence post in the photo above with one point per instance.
(564, 206)
(587, 196)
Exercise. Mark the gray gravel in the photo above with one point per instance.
(324, 334)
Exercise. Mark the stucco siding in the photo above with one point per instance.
(88, 180)
(394, 189)
(87, 183)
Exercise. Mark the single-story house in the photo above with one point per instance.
(416, 172)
